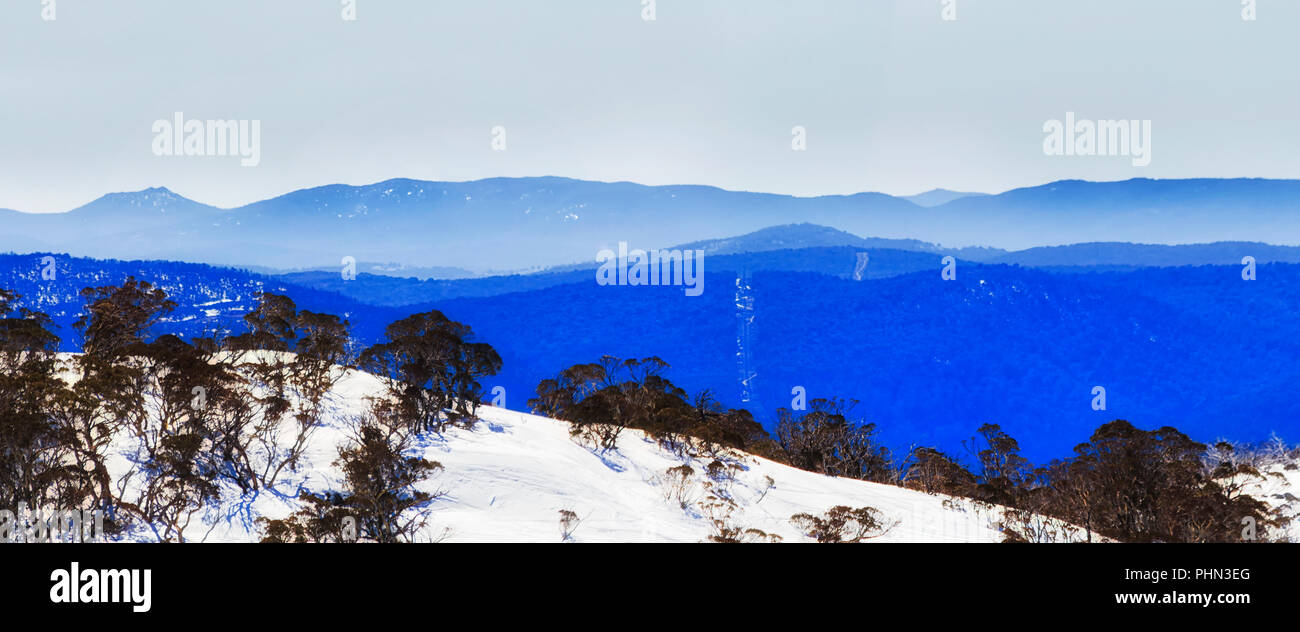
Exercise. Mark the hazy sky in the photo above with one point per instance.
(893, 97)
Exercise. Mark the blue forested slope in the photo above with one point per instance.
(930, 360)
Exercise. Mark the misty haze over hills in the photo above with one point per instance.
(504, 224)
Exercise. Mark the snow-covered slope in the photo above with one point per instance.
(1280, 489)
(508, 478)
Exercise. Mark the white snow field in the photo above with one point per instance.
(1280, 489)
(508, 478)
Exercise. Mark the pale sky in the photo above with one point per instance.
(893, 97)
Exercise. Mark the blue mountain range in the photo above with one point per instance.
(506, 224)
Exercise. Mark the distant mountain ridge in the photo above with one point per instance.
(795, 236)
(808, 248)
(935, 197)
(840, 261)
(1150, 255)
(397, 270)
(528, 223)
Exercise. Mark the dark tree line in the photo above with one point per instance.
(827, 440)
(434, 370)
(602, 399)
(1124, 483)
(221, 415)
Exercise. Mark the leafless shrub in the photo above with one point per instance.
(843, 524)
(722, 475)
(1019, 525)
(719, 510)
(768, 485)
(678, 485)
(601, 436)
(569, 522)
